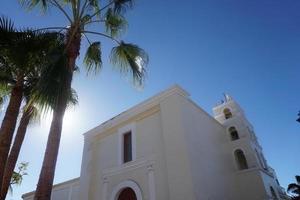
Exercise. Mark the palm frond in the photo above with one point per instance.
(73, 98)
(298, 179)
(51, 84)
(120, 6)
(94, 5)
(33, 112)
(6, 24)
(294, 188)
(130, 58)
(30, 4)
(115, 23)
(92, 59)
(4, 94)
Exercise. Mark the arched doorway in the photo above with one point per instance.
(129, 187)
(127, 194)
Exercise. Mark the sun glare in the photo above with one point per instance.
(70, 121)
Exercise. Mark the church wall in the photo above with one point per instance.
(249, 185)
(210, 165)
(105, 171)
(176, 151)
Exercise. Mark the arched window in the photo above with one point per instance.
(240, 159)
(274, 196)
(227, 113)
(233, 133)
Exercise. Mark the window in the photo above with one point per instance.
(227, 113)
(274, 196)
(127, 147)
(233, 133)
(127, 143)
(240, 159)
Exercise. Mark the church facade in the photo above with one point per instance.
(168, 148)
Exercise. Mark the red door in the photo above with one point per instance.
(127, 194)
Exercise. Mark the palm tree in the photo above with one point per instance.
(21, 52)
(30, 114)
(128, 57)
(294, 188)
(16, 82)
(15, 150)
(52, 60)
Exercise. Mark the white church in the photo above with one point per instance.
(168, 148)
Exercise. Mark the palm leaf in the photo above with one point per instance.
(294, 188)
(32, 3)
(4, 94)
(130, 59)
(298, 179)
(115, 23)
(94, 5)
(34, 113)
(120, 6)
(6, 24)
(92, 59)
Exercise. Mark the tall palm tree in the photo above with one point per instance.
(31, 113)
(51, 45)
(15, 150)
(294, 188)
(128, 57)
(21, 52)
(16, 82)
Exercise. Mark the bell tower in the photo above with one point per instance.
(240, 134)
(244, 150)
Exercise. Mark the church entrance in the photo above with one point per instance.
(127, 194)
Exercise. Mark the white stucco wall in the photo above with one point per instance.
(105, 171)
(67, 191)
(206, 139)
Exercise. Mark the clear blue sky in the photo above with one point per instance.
(249, 49)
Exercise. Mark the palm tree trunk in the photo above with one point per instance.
(14, 152)
(9, 123)
(45, 183)
(44, 186)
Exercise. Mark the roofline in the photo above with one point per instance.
(54, 186)
(144, 105)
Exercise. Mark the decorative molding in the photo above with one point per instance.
(105, 180)
(151, 182)
(104, 188)
(150, 167)
(133, 165)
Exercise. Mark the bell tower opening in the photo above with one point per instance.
(227, 113)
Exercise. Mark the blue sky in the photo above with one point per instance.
(249, 49)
